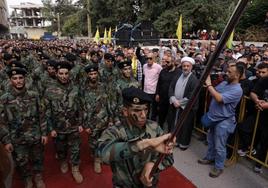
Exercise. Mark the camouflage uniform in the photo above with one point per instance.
(77, 73)
(109, 77)
(121, 84)
(115, 146)
(96, 116)
(63, 111)
(22, 123)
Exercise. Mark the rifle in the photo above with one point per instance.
(226, 33)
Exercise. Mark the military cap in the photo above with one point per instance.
(17, 64)
(83, 51)
(123, 64)
(7, 56)
(119, 53)
(15, 71)
(70, 57)
(92, 53)
(52, 63)
(109, 56)
(134, 95)
(43, 55)
(91, 68)
(63, 65)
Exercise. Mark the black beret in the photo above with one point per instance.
(52, 63)
(83, 51)
(43, 55)
(123, 64)
(70, 57)
(108, 56)
(91, 68)
(92, 53)
(7, 56)
(119, 53)
(16, 70)
(63, 65)
(134, 95)
(16, 64)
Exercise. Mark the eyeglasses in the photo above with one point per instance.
(149, 58)
(167, 62)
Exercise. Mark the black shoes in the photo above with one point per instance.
(205, 161)
(214, 173)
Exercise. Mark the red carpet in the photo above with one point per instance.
(55, 179)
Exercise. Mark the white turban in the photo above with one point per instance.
(188, 59)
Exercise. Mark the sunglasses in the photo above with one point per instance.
(147, 58)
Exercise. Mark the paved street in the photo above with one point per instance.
(236, 176)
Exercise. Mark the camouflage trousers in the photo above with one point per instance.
(68, 142)
(28, 159)
(92, 141)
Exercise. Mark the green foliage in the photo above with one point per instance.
(254, 15)
(197, 14)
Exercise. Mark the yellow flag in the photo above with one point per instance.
(110, 35)
(97, 36)
(179, 30)
(105, 40)
(229, 43)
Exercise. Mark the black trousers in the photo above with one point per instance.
(152, 115)
(162, 112)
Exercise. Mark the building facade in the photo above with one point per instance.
(27, 21)
(3, 17)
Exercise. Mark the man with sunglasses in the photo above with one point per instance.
(151, 71)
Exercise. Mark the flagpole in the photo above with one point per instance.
(226, 33)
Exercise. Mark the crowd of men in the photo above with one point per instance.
(62, 88)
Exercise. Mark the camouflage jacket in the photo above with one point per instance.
(96, 107)
(115, 147)
(63, 108)
(22, 116)
(121, 84)
(78, 74)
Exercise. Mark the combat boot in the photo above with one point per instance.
(97, 165)
(28, 182)
(76, 174)
(39, 181)
(64, 167)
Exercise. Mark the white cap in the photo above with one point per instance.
(188, 59)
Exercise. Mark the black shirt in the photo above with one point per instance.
(164, 80)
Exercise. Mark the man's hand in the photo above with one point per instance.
(159, 144)
(44, 140)
(8, 148)
(176, 104)
(208, 81)
(53, 134)
(80, 129)
(89, 131)
(157, 98)
(145, 175)
(263, 105)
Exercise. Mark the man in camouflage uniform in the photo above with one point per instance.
(48, 78)
(64, 113)
(133, 147)
(23, 128)
(96, 111)
(6, 84)
(125, 81)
